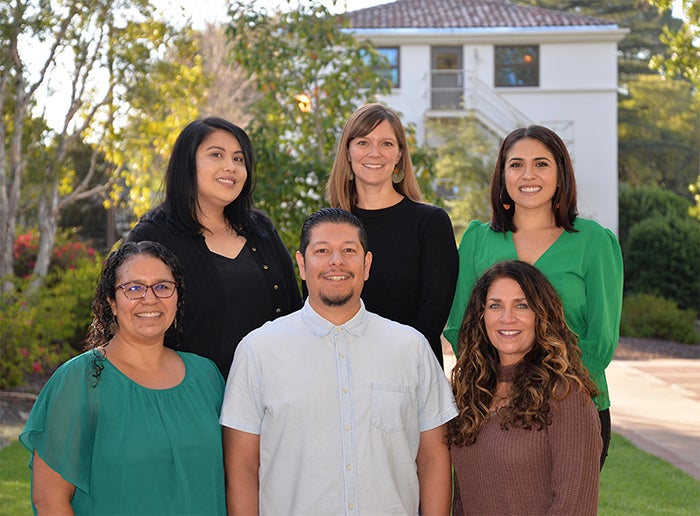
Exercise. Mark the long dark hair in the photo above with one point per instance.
(564, 200)
(180, 208)
(104, 324)
(552, 368)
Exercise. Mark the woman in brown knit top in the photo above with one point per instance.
(527, 437)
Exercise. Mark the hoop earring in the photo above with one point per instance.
(506, 206)
(398, 175)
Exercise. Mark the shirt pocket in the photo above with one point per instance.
(390, 407)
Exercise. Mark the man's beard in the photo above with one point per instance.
(337, 300)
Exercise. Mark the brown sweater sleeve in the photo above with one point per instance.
(574, 436)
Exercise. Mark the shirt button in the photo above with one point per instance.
(265, 267)
(253, 249)
(351, 506)
(341, 355)
(347, 428)
(276, 287)
(278, 310)
(349, 467)
(345, 390)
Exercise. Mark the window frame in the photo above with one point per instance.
(525, 75)
(394, 70)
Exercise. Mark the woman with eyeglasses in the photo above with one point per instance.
(239, 273)
(130, 426)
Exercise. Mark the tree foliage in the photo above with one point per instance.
(464, 163)
(310, 74)
(682, 57)
(659, 131)
(68, 71)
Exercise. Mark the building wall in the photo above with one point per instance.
(577, 97)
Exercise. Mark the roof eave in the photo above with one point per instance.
(493, 35)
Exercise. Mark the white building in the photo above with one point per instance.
(508, 65)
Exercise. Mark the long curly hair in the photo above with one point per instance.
(551, 369)
(104, 325)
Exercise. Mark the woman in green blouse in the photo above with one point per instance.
(535, 220)
(130, 426)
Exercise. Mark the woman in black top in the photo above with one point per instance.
(238, 273)
(414, 252)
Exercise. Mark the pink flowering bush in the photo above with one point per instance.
(38, 334)
(66, 254)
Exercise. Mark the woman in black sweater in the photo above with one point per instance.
(415, 262)
(238, 273)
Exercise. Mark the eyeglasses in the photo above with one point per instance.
(134, 290)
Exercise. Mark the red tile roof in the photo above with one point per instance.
(453, 14)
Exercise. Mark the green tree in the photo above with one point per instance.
(659, 131)
(463, 168)
(310, 74)
(695, 191)
(682, 58)
(82, 61)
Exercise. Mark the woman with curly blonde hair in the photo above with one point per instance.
(527, 437)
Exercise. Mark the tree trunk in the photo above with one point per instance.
(7, 242)
(48, 223)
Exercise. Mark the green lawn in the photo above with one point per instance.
(633, 483)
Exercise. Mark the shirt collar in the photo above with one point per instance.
(322, 327)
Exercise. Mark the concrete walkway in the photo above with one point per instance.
(655, 404)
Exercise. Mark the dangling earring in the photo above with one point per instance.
(506, 206)
(557, 204)
(398, 175)
(352, 176)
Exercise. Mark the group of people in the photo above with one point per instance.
(336, 402)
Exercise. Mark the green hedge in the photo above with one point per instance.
(646, 315)
(662, 257)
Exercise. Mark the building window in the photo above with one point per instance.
(392, 72)
(517, 66)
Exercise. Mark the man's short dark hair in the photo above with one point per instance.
(334, 216)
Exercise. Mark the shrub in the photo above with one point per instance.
(646, 315)
(645, 202)
(662, 257)
(66, 253)
(38, 335)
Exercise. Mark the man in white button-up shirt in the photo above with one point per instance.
(333, 409)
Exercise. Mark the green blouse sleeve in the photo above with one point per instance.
(604, 276)
(466, 279)
(60, 427)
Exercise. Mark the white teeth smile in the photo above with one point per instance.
(149, 315)
(337, 278)
(509, 333)
(530, 189)
(227, 181)
(371, 165)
